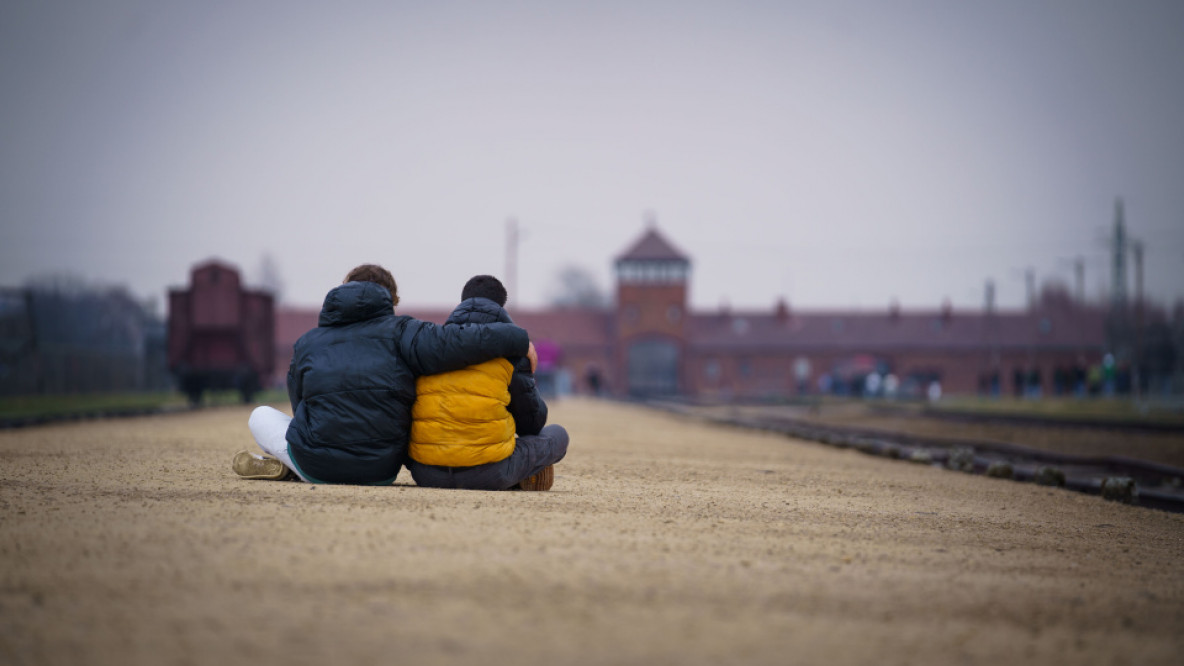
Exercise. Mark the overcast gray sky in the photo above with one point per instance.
(840, 154)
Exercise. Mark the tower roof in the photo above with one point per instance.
(652, 246)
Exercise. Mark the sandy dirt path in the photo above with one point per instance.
(664, 541)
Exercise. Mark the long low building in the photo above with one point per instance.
(649, 342)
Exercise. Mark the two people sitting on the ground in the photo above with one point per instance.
(353, 389)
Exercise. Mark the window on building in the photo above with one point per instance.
(652, 272)
(711, 369)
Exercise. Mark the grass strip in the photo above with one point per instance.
(48, 407)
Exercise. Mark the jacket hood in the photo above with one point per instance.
(355, 301)
(479, 311)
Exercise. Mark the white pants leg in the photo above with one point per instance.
(269, 427)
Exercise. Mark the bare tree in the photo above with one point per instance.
(576, 287)
(77, 336)
(269, 277)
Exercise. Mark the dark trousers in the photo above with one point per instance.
(531, 454)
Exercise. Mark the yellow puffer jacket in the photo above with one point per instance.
(460, 418)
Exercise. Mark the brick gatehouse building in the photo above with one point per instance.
(648, 342)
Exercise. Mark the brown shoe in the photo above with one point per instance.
(259, 466)
(541, 481)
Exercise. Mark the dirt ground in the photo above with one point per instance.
(664, 541)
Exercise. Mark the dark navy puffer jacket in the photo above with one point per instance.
(352, 381)
(526, 404)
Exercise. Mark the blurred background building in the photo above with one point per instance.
(649, 343)
(62, 335)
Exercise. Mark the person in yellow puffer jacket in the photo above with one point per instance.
(484, 427)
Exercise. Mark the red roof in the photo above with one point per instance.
(752, 331)
(854, 330)
(569, 327)
(291, 323)
(432, 314)
(652, 246)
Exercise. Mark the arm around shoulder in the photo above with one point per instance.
(430, 349)
(294, 386)
(526, 403)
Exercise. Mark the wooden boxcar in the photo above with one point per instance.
(220, 335)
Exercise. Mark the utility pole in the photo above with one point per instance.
(992, 327)
(1118, 258)
(1136, 367)
(1030, 280)
(1079, 275)
(1126, 337)
(512, 260)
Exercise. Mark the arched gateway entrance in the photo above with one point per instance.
(653, 368)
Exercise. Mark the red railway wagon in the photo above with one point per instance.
(221, 336)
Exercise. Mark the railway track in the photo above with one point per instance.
(1039, 420)
(1118, 478)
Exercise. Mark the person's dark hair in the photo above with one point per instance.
(484, 286)
(376, 274)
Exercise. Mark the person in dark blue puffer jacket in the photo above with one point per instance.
(352, 385)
